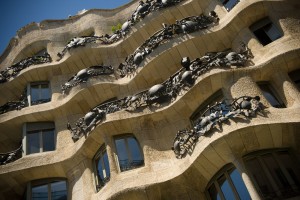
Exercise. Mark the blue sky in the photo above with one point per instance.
(17, 13)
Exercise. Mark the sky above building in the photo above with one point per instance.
(17, 13)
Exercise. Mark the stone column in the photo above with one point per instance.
(240, 166)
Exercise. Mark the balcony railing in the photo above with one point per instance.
(10, 156)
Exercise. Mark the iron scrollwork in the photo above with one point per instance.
(244, 107)
(185, 26)
(143, 9)
(15, 105)
(15, 69)
(162, 93)
(10, 156)
(83, 75)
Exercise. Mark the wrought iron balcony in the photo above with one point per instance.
(15, 69)
(10, 156)
(162, 93)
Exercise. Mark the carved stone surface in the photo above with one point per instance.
(143, 9)
(162, 93)
(83, 75)
(184, 26)
(14, 70)
(244, 107)
(10, 156)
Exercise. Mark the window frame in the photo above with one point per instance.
(40, 100)
(260, 25)
(40, 128)
(129, 154)
(100, 153)
(274, 93)
(48, 182)
(218, 96)
(224, 171)
(258, 155)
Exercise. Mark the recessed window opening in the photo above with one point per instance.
(129, 153)
(227, 184)
(39, 92)
(50, 189)
(102, 168)
(295, 76)
(229, 4)
(271, 95)
(265, 31)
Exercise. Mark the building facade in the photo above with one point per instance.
(186, 99)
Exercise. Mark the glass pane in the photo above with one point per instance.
(122, 154)
(106, 165)
(225, 187)
(48, 140)
(276, 172)
(33, 142)
(137, 158)
(34, 93)
(239, 185)
(45, 92)
(39, 192)
(260, 178)
(100, 169)
(272, 31)
(214, 195)
(59, 190)
(269, 95)
(229, 4)
(291, 166)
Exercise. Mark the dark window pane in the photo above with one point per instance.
(33, 142)
(137, 158)
(291, 166)
(48, 140)
(272, 31)
(34, 93)
(106, 164)
(270, 96)
(225, 187)
(295, 76)
(122, 154)
(213, 193)
(229, 4)
(45, 92)
(260, 178)
(59, 190)
(100, 169)
(39, 192)
(239, 185)
(262, 37)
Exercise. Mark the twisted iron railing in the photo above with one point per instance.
(162, 93)
(11, 156)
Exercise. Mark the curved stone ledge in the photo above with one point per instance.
(220, 33)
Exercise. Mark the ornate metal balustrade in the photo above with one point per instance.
(83, 75)
(244, 107)
(10, 156)
(15, 69)
(164, 92)
(15, 105)
(142, 10)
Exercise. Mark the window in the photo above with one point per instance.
(271, 95)
(265, 31)
(102, 168)
(129, 153)
(39, 137)
(50, 189)
(216, 97)
(39, 92)
(229, 4)
(276, 174)
(295, 76)
(227, 184)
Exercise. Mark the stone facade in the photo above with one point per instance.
(163, 176)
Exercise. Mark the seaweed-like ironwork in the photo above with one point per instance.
(15, 105)
(183, 26)
(83, 75)
(142, 10)
(15, 69)
(159, 94)
(213, 117)
(11, 156)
